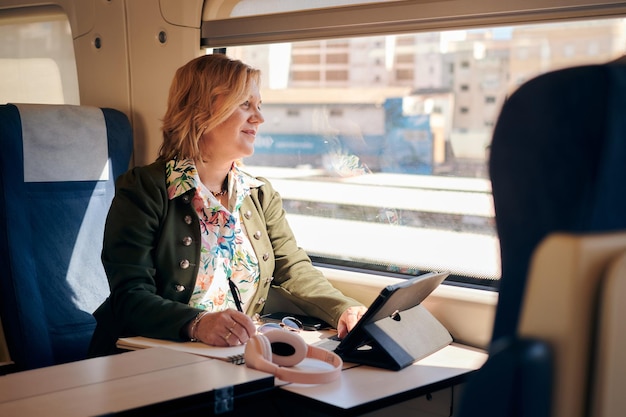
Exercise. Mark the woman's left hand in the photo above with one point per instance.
(348, 320)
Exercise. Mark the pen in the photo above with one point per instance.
(236, 296)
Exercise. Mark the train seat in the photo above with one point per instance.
(609, 363)
(556, 166)
(574, 305)
(58, 164)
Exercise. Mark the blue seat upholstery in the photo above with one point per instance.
(58, 164)
(557, 164)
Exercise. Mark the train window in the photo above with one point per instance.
(37, 63)
(384, 167)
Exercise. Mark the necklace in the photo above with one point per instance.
(219, 193)
(224, 189)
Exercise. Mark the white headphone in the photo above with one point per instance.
(276, 350)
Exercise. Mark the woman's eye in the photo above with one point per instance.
(246, 104)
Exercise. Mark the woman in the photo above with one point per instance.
(192, 243)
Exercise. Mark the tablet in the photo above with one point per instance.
(391, 304)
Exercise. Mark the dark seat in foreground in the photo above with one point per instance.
(557, 166)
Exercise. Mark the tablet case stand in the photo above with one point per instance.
(396, 342)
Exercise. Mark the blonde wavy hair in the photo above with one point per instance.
(191, 105)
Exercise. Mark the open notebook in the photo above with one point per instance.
(232, 354)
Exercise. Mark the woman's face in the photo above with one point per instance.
(234, 137)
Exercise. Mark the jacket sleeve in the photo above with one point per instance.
(131, 238)
(294, 274)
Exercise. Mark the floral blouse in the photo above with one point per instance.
(226, 252)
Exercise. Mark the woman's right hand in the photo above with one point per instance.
(225, 328)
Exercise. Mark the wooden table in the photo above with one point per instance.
(365, 388)
(165, 381)
(148, 382)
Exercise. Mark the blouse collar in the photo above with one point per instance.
(182, 176)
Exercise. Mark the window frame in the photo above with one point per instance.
(394, 17)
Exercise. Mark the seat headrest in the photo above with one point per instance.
(64, 143)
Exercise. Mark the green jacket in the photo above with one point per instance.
(151, 255)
